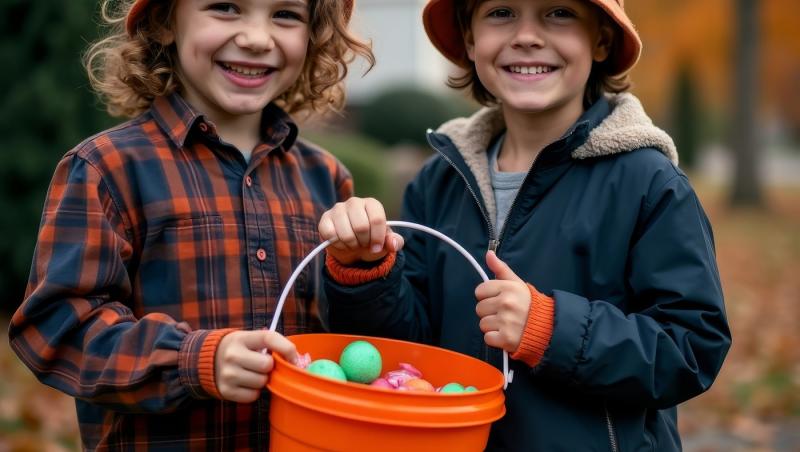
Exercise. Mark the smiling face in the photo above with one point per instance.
(535, 56)
(236, 57)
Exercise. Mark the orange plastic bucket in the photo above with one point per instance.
(309, 412)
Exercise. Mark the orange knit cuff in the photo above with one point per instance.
(538, 329)
(205, 364)
(353, 276)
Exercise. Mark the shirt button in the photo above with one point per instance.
(249, 181)
(261, 254)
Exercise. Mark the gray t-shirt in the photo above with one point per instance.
(505, 185)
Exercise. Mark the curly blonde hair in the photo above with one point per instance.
(129, 71)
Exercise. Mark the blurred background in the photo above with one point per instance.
(720, 75)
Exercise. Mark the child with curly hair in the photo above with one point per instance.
(165, 241)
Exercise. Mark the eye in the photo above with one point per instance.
(224, 8)
(561, 13)
(501, 13)
(287, 14)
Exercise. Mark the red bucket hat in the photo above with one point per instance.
(441, 24)
(139, 6)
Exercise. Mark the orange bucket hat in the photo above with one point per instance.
(441, 25)
(139, 6)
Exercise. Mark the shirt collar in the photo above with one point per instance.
(174, 116)
(178, 120)
(278, 129)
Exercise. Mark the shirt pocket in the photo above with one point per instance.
(182, 271)
(303, 315)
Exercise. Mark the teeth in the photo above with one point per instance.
(248, 71)
(525, 70)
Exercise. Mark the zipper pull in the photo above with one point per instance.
(493, 244)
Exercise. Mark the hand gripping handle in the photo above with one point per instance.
(508, 374)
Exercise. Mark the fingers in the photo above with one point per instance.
(276, 342)
(358, 223)
(327, 230)
(260, 339)
(503, 314)
(376, 221)
(497, 333)
(349, 222)
(487, 307)
(494, 339)
(489, 323)
(232, 378)
(493, 288)
(241, 370)
(395, 241)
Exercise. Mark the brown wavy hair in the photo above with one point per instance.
(128, 72)
(600, 78)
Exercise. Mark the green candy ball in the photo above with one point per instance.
(452, 388)
(470, 389)
(327, 368)
(361, 362)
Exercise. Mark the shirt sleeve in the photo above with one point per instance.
(74, 329)
(344, 182)
(389, 304)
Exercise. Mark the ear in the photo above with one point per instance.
(469, 44)
(604, 41)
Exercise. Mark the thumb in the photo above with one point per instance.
(500, 269)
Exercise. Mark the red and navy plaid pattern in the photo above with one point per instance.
(153, 235)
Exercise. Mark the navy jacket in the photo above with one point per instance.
(607, 225)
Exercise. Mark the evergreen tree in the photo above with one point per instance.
(47, 108)
(686, 117)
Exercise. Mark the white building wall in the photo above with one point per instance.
(402, 50)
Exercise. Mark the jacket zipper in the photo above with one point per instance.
(466, 182)
(493, 242)
(516, 197)
(494, 239)
(612, 436)
(514, 203)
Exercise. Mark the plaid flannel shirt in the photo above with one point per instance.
(155, 236)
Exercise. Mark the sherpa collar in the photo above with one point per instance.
(627, 128)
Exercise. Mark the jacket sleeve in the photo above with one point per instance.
(672, 344)
(393, 306)
(74, 329)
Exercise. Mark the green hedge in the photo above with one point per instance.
(402, 114)
(366, 160)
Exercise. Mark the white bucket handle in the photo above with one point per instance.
(507, 374)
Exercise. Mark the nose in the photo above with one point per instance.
(528, 34)
(256, 36)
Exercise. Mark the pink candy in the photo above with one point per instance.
(303, 360)
(382, 383)
(406, 378)
(397, 378)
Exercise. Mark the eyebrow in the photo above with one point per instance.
(302, 3)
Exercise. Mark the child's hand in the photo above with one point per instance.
(503, 305)
(241, 369)
(359, 224)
